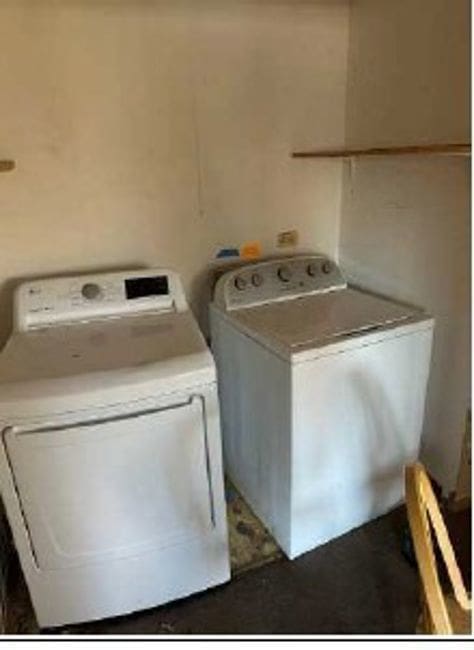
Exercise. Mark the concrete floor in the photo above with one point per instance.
(358, 584)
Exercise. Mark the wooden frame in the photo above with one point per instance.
(424, 515)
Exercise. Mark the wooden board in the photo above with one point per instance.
(457, 149)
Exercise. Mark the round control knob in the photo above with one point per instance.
(257, 280)
(326, 267)
(312, 269)
(284, 273)
(240, 283)
(91, 291)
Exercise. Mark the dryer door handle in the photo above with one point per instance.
(80, 424)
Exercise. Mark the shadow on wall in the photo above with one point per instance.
(7, 289)
(201, 289)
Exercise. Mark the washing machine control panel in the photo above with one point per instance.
(277, 279)
(52, 301)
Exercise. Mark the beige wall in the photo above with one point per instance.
(409, 74)
(151, 132)
(405, 227)
(155, 132)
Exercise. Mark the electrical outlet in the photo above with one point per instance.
(287, 238)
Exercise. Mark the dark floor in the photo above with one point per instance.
(358, 584)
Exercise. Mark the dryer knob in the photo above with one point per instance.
(91, 291)
(240, 283)
(284, 273)
(326, 267)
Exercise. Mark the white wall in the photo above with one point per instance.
(150, 132)
(405, 227)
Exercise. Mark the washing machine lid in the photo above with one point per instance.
(296, 325)
(104, 361)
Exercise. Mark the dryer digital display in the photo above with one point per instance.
(143, 287)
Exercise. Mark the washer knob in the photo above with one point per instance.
(326, 267)
(312, 269)
(284, 273)
(91, 291)
(257, 280)
(240, 283)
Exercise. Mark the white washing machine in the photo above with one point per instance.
(322, 390)
(110, 462)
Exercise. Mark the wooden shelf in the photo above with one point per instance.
(424, 150)
(7, 165)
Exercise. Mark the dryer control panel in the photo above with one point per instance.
(277, 279)
(82, 298)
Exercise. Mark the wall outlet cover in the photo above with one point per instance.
(287, 238)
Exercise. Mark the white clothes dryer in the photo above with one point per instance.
(110, 458)
(322, 391)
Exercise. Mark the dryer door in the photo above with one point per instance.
(96, 491)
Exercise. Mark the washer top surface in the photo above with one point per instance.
(303, 303)
(319, 319)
